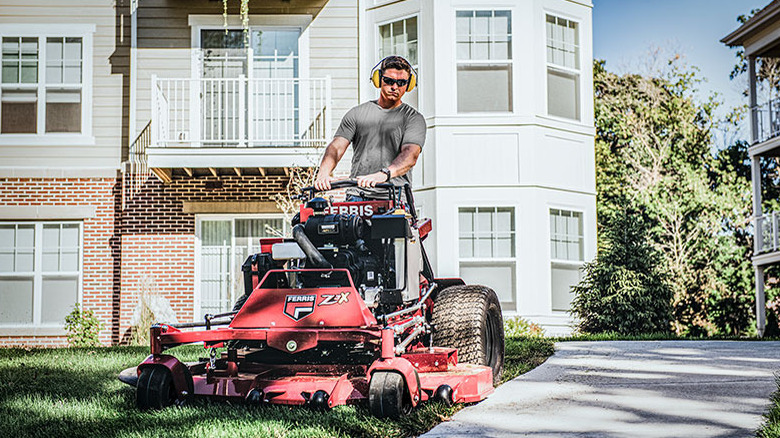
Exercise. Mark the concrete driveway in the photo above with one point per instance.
(631, 389)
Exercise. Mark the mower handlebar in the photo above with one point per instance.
(348, 183)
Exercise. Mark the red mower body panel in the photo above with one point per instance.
(304, 308)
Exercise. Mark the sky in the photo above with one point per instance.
(625, 30)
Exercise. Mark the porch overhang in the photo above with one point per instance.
(165, 162)
(766, 148)
(760, 35)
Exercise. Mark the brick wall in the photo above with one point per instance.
(157, 208)
(161, 264)
(100, 245)
(158, 237)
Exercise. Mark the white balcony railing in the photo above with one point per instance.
(767, 120)
(240, 112)
(766, 237)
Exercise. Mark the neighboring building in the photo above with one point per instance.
(60, 151)
(760, 38)
(154, 168)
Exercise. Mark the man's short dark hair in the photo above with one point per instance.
(396, 63)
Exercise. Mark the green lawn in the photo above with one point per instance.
(771, 427)
(75, 392)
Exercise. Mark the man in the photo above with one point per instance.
(386, 134)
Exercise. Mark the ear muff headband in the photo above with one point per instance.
(376, 75)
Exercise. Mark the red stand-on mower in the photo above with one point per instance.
(346, 311)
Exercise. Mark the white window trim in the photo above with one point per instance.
(199, 218)
(548, 65)
(510, 62)
(41, 31)
(37, 328)
(502, 261)
(559, 263)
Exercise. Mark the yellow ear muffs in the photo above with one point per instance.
(412, 81)
(376, 76)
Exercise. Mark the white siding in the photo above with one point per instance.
(106, 87)
(333, 42)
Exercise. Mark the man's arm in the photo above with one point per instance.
(330, 159)
(402, 163)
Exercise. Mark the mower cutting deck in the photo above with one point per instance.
(304, 333)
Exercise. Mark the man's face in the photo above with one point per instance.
(393, 93)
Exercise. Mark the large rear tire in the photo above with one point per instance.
(387, 396)
(469, 319)
(155, 388)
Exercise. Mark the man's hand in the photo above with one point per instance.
(330, 159)
(322, 182)
(371, 180)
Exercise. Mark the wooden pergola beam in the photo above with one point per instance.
(165, 175)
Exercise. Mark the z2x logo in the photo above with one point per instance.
(298, 307)
(328, 299)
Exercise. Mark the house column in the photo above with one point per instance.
(755, 165)
(753, 99)
(760, 301)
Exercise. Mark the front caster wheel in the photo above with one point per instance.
(387, 396)
(155, 388)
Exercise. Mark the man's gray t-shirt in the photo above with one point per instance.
(377, 135)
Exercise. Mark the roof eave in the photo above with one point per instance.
(767, 15)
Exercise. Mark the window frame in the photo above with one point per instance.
(511, 262)
(581, 260)
(510, 62)
(562, 69)
(563, 263)
(38, 275)
(415, 66)
(42, 32)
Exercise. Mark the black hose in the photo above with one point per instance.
(312, 254)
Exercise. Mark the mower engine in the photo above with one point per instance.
(382, 253)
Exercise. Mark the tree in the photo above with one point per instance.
(654, 153)
(624, 289)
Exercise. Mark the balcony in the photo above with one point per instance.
(767, 238)
(767, 121)
(237, 123)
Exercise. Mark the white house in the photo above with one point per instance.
(154, 166)
(507, 172)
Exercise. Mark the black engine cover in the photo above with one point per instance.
(335, 229)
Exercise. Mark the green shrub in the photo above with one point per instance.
(518, 327)
(83, 328)
(624, 289)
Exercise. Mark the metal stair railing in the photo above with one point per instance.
(137, 174)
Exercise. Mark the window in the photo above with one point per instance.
(224, 244)
(487, 248)
(40, 272)
(563, 68)
(484, 58)
(400, 38)
(567, 252)
(42, 87)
